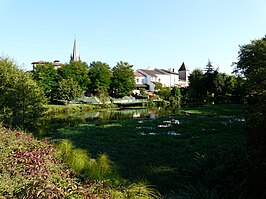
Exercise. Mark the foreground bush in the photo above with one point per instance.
(32, 169)
(21, 99)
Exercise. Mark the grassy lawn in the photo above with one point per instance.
(170, 152)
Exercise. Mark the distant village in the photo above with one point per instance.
(144, 78)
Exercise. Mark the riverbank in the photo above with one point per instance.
(74, 108)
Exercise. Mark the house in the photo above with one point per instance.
(55, 63)
(159, 76)
(167, 78)
(139, 82)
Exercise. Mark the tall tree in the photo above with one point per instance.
(46, 77)
(252, 64)
(76, 70)
(196, 87)
(233, 85)
(25, 102)
(123, 80)
(213, 82)
(8, 75)
(209, 78)
(209, 67)
(100, 76)
(68, 90)
(21, 99)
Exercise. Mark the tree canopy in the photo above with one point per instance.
(252, 65)
(76, 70)
(213, 86)
(46, 76)
(196, 87)
(68, 90)
(123, 80)
(22, 100)
(100, 77)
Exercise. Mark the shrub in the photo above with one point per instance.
(32, 169)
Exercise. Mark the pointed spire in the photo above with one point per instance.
(183, 67)
(75, 56)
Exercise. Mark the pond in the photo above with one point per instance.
(158, 144)
(53, 123)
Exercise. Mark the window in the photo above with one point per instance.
(137, 79)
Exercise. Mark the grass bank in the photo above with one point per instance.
(201, 147)
(72, 108)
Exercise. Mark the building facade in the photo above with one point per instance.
(167, 78)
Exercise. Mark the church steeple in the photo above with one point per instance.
(74, 56)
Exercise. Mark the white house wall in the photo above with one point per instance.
(139, 80)
(168, 80)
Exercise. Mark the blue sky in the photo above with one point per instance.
(145, 33)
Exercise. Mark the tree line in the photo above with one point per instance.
(211, 86)
(76, 77)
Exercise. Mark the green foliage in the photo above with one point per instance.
(65, 149)
(25, 102)
(196, 91)
(165, 93)
(175, 92)
(175, 98)
(158, 86)
(76, 70)
(209, 67)
(70, 109)
(101, 169)
(143, 93)
(8, 75)
(21, 99)
(213, 86)
(32, 169)
(68, 90)
(46, 76)
(80, 161)
(142, 190)
(252, 65)
(123, 80)
(211, 80)
(100, 76)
